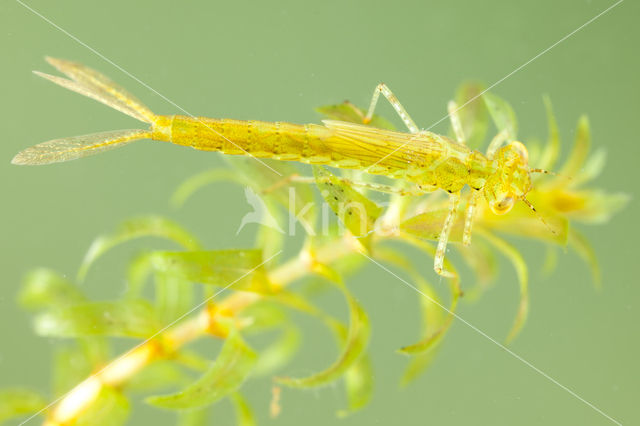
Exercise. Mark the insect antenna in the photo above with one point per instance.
(539, 216)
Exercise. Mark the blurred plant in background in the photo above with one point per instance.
(243, 293)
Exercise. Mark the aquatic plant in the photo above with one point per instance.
(243, 293)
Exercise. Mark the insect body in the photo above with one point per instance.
(428, 160)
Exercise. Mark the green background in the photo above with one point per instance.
(278, 60)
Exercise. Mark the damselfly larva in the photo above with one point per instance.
(425, 159)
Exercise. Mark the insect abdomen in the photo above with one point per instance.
(277, 140)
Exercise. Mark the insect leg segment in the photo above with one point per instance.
(468, 219)
(387, 189)
(395, 103)
(456, 123)
(454, 200)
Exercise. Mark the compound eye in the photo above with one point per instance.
(503, 206)
(521, 150)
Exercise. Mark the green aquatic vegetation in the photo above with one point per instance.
(236, 295)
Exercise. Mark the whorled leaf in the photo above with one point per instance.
(158, 374)
(350, 113)
(502, 114)
(173, 296)
(19, 402)
(228, 372)
(431, 340)
(45, 288)
(127, 318)
(580, 150)
(280, 352)
(216, 267)
(244, 414)
(428, 226)
(473, 113)
(552, 148)
(146, 226)
(546, 225)
(273, 182)
(197, 182)
(355, 344)
(586, 252)
(196, 417)
(519, 264)
(433, 320)
(111, 408)
(355, 211)
(358, 381)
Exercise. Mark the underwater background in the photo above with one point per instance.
(278, 61)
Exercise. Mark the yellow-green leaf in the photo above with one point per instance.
(357, 212)
(280, 352)
(228, 372)
(43, 288)
(473, 113)
(581, 146)
(552, 148)
(358, 380)
(355, 344)
(146, 226)
(520, 266)
(428, 226)
(216, 267)
(502, 114)
(244, 415)
(132, 318)
(586, 252)
(19, 402)
(296, 197)
(197, 182)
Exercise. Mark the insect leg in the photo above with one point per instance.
(413, 190)
(382, 88)
(468, 220)
(456, 123)
(496, 142)
(454, 199)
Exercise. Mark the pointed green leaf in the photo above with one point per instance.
(123, 318)
(197, 417)
(146, 226)
(586, 252)
(244, 414)
(473, 113)
(158, 374)
(19, 402)
(358, 380)
(355, 211)
(355, 344)
(523, 222)
(502, 114)
(111, 408)
(273, 183)
(240, 268)
(552, 148)
(228, 372)
(520, 266)
(197, 182)
(348, 112)
(279, 353)
(434, 336)
(174, 296)
(44, 288)
(580, 150)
